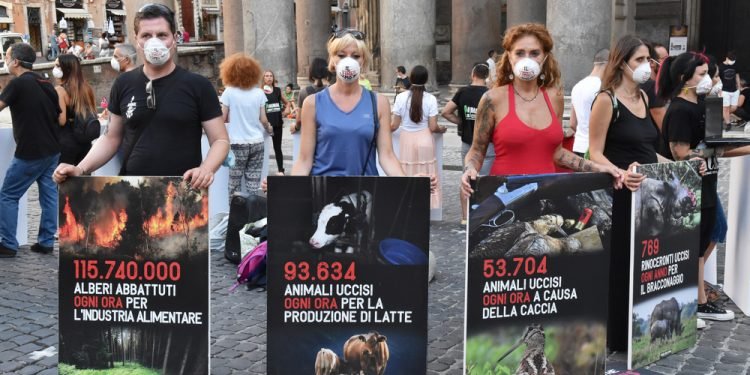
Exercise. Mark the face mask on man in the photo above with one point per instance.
(156, 52)
(527, 69)
(641, 74)
(115, 64)
(347, 70)
(57, 72)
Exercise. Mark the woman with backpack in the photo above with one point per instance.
(623, 135)
(415, 113)
(78, 105)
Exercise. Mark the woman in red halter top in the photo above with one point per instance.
(522, 114)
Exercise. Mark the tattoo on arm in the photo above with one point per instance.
(572, 161)
(483, 129)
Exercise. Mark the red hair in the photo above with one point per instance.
(550, 69)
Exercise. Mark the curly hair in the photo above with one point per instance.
(550, 69)
(240, 70)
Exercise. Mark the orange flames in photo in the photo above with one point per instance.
(71, 231)
(169, 220)
(106, 230)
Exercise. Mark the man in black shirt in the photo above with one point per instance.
(466, 101)
(402, 80)
(34, 109)
(159, 112)
(730, 81)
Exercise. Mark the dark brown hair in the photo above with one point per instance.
(80, 92)
(623, 51)
(418, 78)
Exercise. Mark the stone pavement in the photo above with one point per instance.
(28, 306)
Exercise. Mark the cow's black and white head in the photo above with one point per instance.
(332, 223)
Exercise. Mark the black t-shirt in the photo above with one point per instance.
(403, 82)
(34, 109)
(728, 75)
(171, 142)
(274, 107)
(685, 122)
(467, 100)
(746, 104)
(654, 101)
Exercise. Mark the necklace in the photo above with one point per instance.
(524, 99)
(631, 97)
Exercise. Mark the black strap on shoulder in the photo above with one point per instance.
(615, 105)
(376, 122)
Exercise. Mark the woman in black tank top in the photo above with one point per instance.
(622, 133)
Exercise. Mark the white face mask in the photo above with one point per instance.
(641, 74)
(527, 69)
(716, 89)
(347, 70)
(704, 86)
(57, 72)
(156, 52)
(115, 64)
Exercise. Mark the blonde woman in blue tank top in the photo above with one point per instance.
(338, 128)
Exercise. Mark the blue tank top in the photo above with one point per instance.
(344, 138)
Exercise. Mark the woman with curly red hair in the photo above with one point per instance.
(243, 107)
(522, 114)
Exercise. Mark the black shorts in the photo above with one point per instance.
(708, 220)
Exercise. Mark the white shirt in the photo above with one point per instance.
(403, 104)
(493, 74)
(244, 114)
(582, 96)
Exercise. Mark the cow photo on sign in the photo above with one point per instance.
(133, 285)
(537, 264)
(347, 275)
(666, 216)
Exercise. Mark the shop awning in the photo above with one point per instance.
(117, 12)
(6, 20)
(74, 13)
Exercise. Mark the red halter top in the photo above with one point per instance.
(520, 149)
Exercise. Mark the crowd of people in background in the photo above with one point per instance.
(637, 106)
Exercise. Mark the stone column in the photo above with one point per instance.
(263, 29)
(406, 38)
(233, 27)
(475, 30)
(523, 11)
(313, 31)
(131, 8)
(579, 29)
(623, 19)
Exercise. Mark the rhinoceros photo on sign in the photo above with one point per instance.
(666, 216)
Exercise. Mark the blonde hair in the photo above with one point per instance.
(338, 44)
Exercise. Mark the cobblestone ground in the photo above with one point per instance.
(28, 308)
